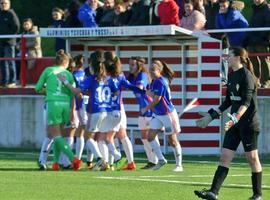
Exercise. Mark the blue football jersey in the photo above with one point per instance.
(79, 76)
(121, 82)
(142, 99)
(100, 94)
(160, 87)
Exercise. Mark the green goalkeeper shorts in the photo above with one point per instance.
(58, 112)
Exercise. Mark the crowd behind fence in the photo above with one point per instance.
(195, 15)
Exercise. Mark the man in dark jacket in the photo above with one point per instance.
(259, 42)
(9, 24)
(140, 13)
(105, 13)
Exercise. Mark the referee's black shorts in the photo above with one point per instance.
(245, 134)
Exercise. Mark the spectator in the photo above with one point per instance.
(229, 18)
(211, 11)
(153, 18)
(120, 15)
(108, 13)
(87, 13)
(200, 4)
(258, 42)
(33, 45)
(9, 24)
(193, 19)
(180, 4)
(72, 14)
(128, 11)
(58, 22)
(168, 12)
(139, 13)
(105, 12)
(224, 60)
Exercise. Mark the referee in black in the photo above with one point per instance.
(243, 125)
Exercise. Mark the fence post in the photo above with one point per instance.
(23, 61)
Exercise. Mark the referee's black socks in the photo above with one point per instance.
(220, 175)
(257, 183)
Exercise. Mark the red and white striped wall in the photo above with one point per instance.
(197, 67)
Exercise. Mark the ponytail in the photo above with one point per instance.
(79, 60)
(244, 59)
(97, 64)
(112, 63)
(249, 66)
(100, 71)
(167, 72)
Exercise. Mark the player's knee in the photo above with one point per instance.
(172, 142)
(253, 160)
(224, 160)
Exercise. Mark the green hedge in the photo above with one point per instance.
(39, 11)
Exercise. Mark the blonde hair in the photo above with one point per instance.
(61, 57)
(165, 69)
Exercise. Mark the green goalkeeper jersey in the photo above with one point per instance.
(55, 89)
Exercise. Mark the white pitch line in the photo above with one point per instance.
(179, 182)
(193, 176)
(189, 176)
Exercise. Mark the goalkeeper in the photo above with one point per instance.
(58, 99)
(242, 126)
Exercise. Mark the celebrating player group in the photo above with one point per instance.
(86, 103)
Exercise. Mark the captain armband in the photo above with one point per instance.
(213, 113)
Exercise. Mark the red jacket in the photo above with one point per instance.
(168, 13)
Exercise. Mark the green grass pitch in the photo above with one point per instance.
(20, 179)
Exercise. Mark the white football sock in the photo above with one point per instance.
(117, 144)
(45, 150)
(154, 157)
(147, 148)
(92, 146)
(114, 151)
(104, 150)
(156, 147)
(79, 147)
(127, 146)
(178, 154)
(90, 155)
(111, 159)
